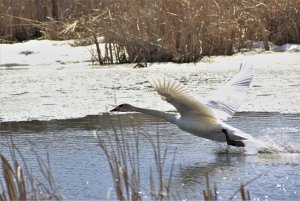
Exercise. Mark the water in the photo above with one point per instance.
(45, 106)
(81, 171)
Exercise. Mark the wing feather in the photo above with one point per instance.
(179, 96)
(226, 100)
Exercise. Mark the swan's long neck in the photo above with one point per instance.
(166, 116)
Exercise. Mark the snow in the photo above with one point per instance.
(53, 80)
(259, 46)
(42, 52)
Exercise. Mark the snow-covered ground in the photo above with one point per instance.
(53, 80)
(42, 53)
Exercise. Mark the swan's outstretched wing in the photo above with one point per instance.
(179, 96)
(226, 100)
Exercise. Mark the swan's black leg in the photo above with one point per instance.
(235, 143)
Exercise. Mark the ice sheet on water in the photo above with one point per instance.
(57, 83)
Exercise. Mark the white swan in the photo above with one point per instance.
(202, 120)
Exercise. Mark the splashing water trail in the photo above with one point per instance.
(278, 140)
(267, 144)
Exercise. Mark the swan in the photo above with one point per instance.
(204, 120)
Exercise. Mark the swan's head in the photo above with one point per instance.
(123, 108)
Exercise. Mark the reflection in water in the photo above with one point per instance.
(280, 158)
(90, 122)
(195, 173)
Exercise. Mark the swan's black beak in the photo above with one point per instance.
(116, 109)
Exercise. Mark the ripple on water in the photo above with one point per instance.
(79, 161)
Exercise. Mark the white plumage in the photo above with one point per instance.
(200, 119)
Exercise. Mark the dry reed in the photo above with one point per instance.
(210, 194)
(124, 160)
(153, 31)
(184, 31)
(19, 183)
(27, 19)
(122, 148)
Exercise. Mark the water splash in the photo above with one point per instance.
(275, 144)
(265, 144)
(280, 140)
(253, 147)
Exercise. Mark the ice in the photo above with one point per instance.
(43, 79)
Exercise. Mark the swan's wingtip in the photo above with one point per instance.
(155, 78)
(110, 107)
(246, 66)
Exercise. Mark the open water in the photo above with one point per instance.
(56, 110)
(81, 171)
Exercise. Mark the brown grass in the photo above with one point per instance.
(27, 19)
(124, 160)
(122, 148)
(19, 183)
(145, 30)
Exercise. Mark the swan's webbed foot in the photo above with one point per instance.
(235, 143)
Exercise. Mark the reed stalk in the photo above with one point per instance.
(124, 160)
(19, 183)
(154, 31)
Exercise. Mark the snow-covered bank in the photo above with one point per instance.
(52, 80)
(42, 52)
(45, 52)
(259, 47)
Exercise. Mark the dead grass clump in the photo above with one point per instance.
(270, 21)
(155, 31)
(210, 194)
(21, 20)
(19, 183)
(282, 21)
(125, 162)
(27, 19)
(123, 147)
(184, 31)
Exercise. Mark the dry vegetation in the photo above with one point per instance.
(124, 160)
(18, 182)
(123, 155)
(163, 30)
(131, 180)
